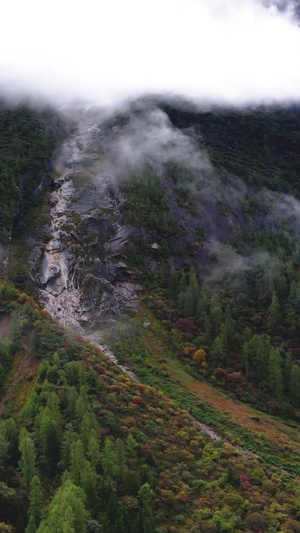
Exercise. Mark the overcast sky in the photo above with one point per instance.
(224, 51)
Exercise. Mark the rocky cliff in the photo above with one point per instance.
(83, 261)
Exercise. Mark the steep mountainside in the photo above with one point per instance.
(167, 242)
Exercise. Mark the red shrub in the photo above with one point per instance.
(171, 438)
(235, 378)
(166, 482)
(116, 388)
(185, 324)
(101, 370)
(184, 498)
(296, 350)
(104, 378)
(181, 422)
(245, 482)
(137, 400)
(220, 373)
(160, 304)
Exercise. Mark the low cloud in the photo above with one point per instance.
(148, 138)
(234, 52)
(229, 264)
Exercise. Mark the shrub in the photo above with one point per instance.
(234, 500)
(199, 357)
(137, 400)
(287, 410)
(180, 519)
(255, 522)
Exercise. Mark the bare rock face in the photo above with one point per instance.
(81, 277)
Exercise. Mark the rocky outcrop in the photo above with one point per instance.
(80, 266)
(81, 276)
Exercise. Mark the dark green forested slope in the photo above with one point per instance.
(261, 147)
(25, 147)
(245, 318)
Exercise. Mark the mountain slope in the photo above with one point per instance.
(138, 459)
(191, 275)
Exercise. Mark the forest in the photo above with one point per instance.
(84, 447)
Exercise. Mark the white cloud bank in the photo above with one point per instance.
(220, 51)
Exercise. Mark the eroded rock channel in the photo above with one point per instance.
(82, 277)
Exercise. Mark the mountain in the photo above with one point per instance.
(149, 320)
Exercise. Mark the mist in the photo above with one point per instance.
(149, 138)
(228, 52)
(229, 264)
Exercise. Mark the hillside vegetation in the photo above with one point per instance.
(261, 146)
(25, 146)
(215, 347)
(231, 318)
(85, 447)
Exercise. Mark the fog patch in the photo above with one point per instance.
(149, 139)
(281, 208)
(229, 264)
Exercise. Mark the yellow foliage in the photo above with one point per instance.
(5, 528)
(199, 357)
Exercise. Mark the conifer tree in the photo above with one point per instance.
(3, 446)
(77, 461)
(295, 385)
(146, 522)
(288, 365)
(217, 349)
(35, 499)
(216, 319)
(12, 435)
(121, 458)
(67, 512)
(49, 436)
(88, 426)
(275, 374)
(274, 311)
(31, 526)
(27, 461)
(109, 460)
(94, 451)
(88, 484)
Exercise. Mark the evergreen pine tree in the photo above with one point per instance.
(295, 385)
(275, 374)
(288, 365)
(67, 512)
(35, 499)
(77, 461)
(274, 312)
(27, 461)
(31, 526)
